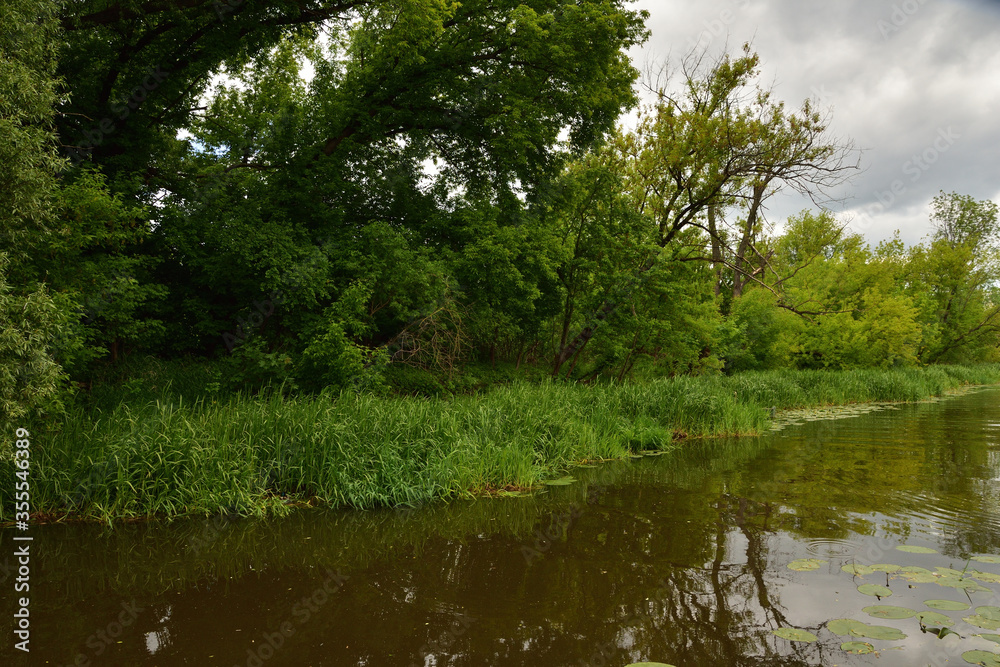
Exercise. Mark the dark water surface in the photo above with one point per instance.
(680, 559)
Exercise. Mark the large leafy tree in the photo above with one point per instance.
(307, 168)
(713, 142)
(953, 279)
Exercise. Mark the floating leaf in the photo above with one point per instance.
(987, 559)
(992, 613)
(947, 605)
(888, 611)
(795, 635)
(919, 577)
(888, 568)
(965, 584)
(845, 626)
(914, 569)
(934, 618)
(988, 577)
(915, 550)
(992, 638)
(876, 590)
(982, 622)
(880, 632)
(857, 570)
(949, 572)
(858, 648)
(562, 481)
(984, 658)
(806, 564)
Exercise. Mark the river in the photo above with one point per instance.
(681, 559)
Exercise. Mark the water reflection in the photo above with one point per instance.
(679, 558)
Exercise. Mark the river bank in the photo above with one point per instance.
(260, 455)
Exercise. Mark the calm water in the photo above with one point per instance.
(680, 559)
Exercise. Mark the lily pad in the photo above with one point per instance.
(914, 569)
(987, 559)
(950, 572)
(858, 648)
(888, 611)
(875, 590)
(857, 570)
(795, 635)
(947, 605)
(562, 481)
(965, 584)
(988, 577)
(880, 632)
(992, 613)
(916, 550)
(993, 638)
(888, 568)
(806, 564)
(984, 658)
(983, 622)
(934, 618)
(919, 577)
(845, 626)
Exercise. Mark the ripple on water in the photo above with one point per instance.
(949, 513)
(833, 547)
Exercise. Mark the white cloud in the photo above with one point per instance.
(897, 74)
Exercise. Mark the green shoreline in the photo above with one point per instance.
(263, 455)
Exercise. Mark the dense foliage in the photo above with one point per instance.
(393, 193)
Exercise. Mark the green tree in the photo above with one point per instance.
(718, 143)
(31, 321)
(952, 276)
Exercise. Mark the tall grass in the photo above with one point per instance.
(251, 454)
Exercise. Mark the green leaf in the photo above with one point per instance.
(947, 605)
(993, 638)
(806, 564)
(876, 590)
(916, 550)
(888, 568)
(880, 632)
(984, 658)
(845, 626)
(858, 648)
(987, 559)
(982, 622)
(795, 635)
(857, 570)
(934, 618)
(562, 481)
(888, 611)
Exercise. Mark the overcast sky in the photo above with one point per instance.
(914, 83)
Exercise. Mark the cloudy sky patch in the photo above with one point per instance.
(915, 84)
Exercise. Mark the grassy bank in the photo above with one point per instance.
(251, 455)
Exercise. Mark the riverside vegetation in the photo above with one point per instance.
(247, 454)
(362, 329)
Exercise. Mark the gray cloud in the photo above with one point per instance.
(914, 83)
